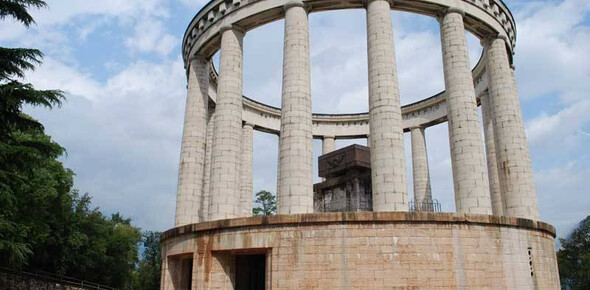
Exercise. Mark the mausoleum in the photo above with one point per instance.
(359, 230)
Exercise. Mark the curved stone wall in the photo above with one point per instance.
(427, 112)
(371, 250)
(202, 35)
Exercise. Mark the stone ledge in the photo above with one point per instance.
(362, 217)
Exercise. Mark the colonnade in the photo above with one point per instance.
(501, 184)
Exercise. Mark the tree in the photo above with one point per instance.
(574, 257)
(147, 275)
(266, 204)
(25, 151)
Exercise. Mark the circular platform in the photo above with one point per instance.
(365, 250)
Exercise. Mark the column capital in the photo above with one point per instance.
(487, 40)
(294, 3)
(446, 11)
(366, 2)
(455, 10)
(328, 137)
(417, 127)
(249, 124)
(233, 27)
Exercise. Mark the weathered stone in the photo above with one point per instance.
(192, 154)
(512, 153)
(295, 193)
(422, 189)
(388, 163)
(225, 159)
(472, 193)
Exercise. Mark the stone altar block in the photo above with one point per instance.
(347, 187)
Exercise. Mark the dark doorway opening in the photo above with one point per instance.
(186, 278)
(250, 272)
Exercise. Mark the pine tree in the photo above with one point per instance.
(267, 204)
(23, 144)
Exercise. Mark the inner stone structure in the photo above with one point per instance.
(347, 184)
(495, 238)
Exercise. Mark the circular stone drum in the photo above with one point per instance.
(368, 250)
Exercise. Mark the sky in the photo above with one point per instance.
(120, 65)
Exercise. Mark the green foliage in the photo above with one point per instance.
(18, 9)
(30, 177)
(266, 204)
(147, 275)
(574, 258)
(31, 183)
(44, 223)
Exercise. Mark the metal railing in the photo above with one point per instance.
(428, 206)
(55, 278)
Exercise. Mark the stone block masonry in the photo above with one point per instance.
(470, 179)
(192, 156)
(295, 194)
(227, 134)
(512, 153)
(388, 160)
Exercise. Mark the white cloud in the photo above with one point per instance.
(122, 135)
(562, 193)
(552, 48)
(560, 130)
(149, 36)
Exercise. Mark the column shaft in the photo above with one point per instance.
(296, 170)
(204, 213)
(512, 153)
(422, 189)
(247, 187)
(225, 159)
(192, 154)
(472, 193)
(328, 144)
(388, 165)
(488, 133)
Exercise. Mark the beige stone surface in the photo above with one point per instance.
(420, 171)
(192, 153)
(472, 193)
(328, 144)
(487, 16)
(488, 132)
(512, 153)
(204, 210)
(388, 165)
(372, 251)
(295, 194)
(247, 171)
(227, 133)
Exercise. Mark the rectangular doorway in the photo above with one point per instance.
(250, 272)
(186, 274)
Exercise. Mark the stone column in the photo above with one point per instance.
(226, 151)
(204, 213)
(192, 153)
(295, 144)
(422, 190)
(488, 133)
(328, 144)
(247, 188)
(512, 153)
(388, 165)
(472, 193)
